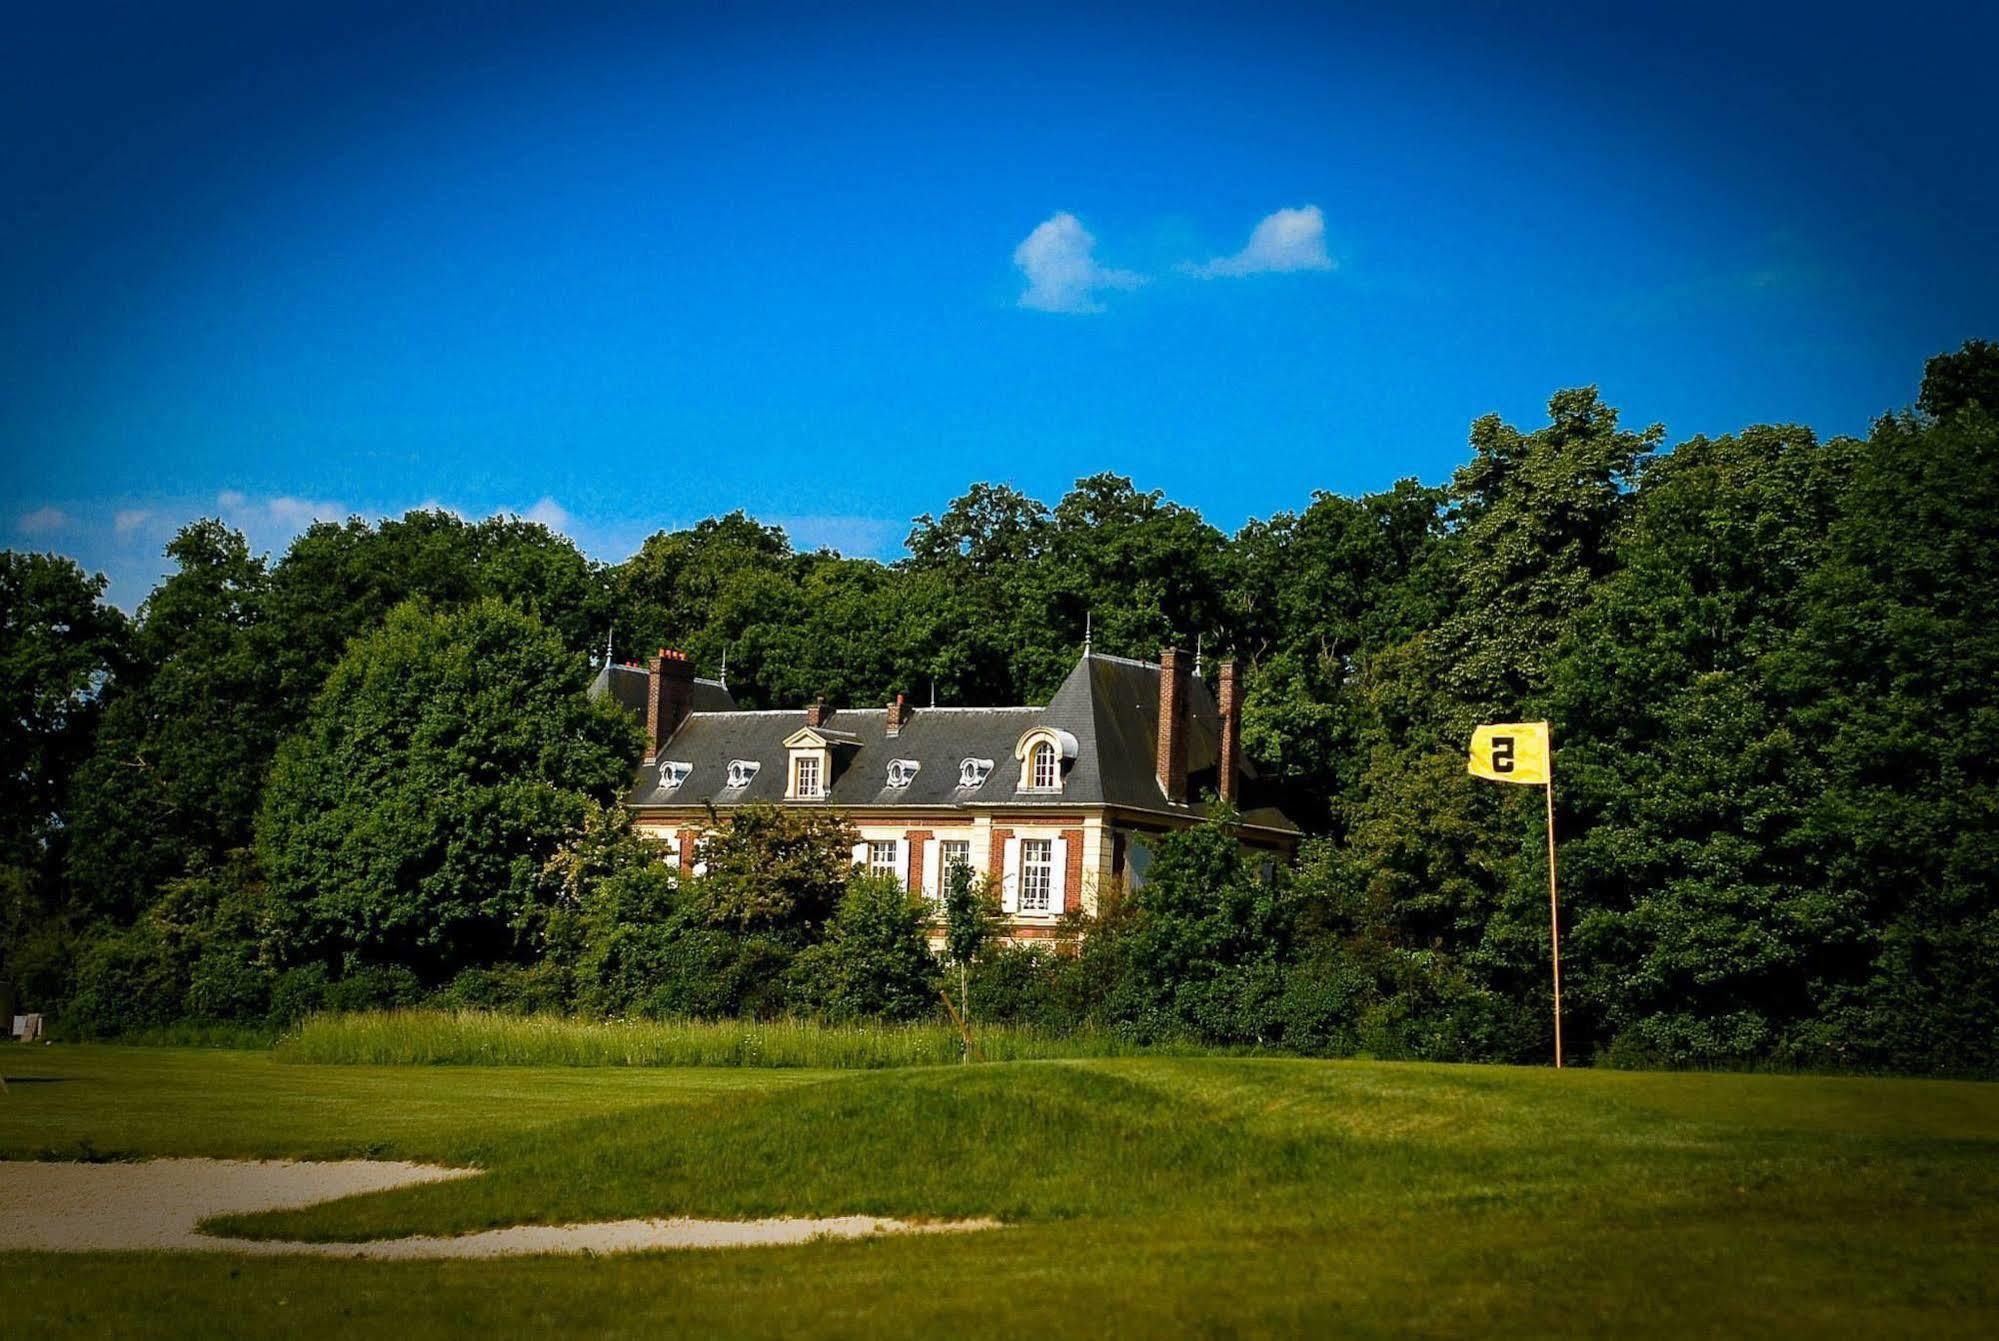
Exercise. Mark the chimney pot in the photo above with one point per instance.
(816, 714)
(898, 715)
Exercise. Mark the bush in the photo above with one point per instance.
(876, 962)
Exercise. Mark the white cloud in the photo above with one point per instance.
(549, 513)
(302, 512)
(1290, 239)
(1062, 273)
(128, 520)
(229, 500)
(864, 537)
(42, 521)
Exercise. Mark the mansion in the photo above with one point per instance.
(1055, 802)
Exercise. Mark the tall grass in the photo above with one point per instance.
(479, 1038)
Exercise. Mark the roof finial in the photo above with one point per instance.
(1197, 656)
(1086, 633)
(933, 691)
(607, 643)
(724, 681)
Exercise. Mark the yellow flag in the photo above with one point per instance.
(1510, 752)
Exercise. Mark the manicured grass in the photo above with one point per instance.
(1152, 1196)
(434, 1037)
(71, 1101)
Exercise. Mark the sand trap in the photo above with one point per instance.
(155, 1206)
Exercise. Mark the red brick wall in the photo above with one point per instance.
(996, 859)
(688, 838)
(1072, 881)
(916, 838)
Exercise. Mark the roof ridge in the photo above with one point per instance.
(1123, 661)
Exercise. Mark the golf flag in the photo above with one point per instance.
(1510, 752)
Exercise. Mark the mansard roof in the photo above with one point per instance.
(627, 685)
(1109, 704)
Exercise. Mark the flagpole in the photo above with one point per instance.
(1554, 922)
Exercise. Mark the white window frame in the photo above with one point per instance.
(883, 856)
(1037, 877)
(1045, 766)
(902, 772)
(800, 763)
(973, 773)
(742, 772)
(672, 773)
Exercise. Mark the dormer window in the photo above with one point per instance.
(1042, 751)
(1044, 772)
(902, 772)
(672, 774)
(742, 771)
(974, 772)
(807, 777)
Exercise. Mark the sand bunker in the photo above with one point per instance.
(155, 1206)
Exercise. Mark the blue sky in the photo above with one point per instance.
(624, 267)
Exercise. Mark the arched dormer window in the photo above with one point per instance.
(973, 772)
(1044, 773)
(741, 771)
(902, 772)
(1043, 751)
(672, 773)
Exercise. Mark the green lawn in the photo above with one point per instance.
(1226, 1196)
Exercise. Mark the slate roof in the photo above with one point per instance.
(627, 684)
(1109, 704)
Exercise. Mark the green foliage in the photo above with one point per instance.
(1963, 380)
(875, 961)
(446, 760)
(971, 913)
(777, 871)
(1768, 660)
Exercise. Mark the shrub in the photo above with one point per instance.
(876, 961)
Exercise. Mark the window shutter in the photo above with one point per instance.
(672, 843)
(902, 861)
(1058, 878)
(860, 854)
(1010, 878)
(933, 879)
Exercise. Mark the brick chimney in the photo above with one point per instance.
(1171, 764)
(1229, 765)
(898, 715)
(816, 714)
(669, 696)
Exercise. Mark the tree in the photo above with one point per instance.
(1953, 382)
(177, 768)
(969, 917)
(62, 650)
(875, 962)
(777, 871)
(448, 757)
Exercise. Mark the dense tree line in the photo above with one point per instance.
(364, 771)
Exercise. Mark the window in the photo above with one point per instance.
(741, 771)
(901, 772)
(1045, 772)
(881, 857)
(806, 778)
(1037, 874)
(973, 772)
(671, 775)
(953, 852)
